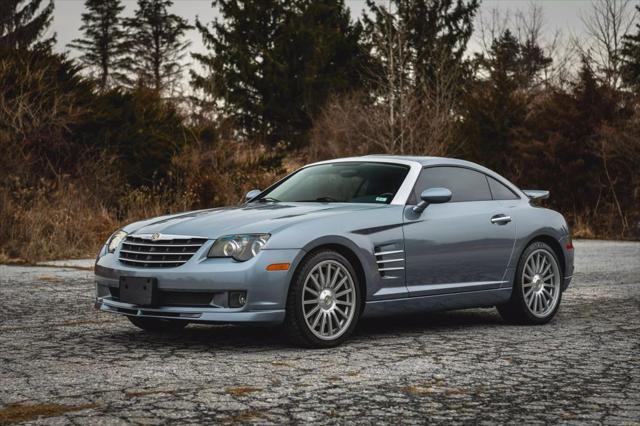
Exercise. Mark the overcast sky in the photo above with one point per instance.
(559, 15)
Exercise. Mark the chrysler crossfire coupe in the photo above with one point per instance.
(341, 240)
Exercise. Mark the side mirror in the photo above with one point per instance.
(251, 195)
(432, 196)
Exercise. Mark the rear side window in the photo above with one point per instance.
(499, 191)
(464, 184)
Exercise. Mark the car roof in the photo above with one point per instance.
(425, 161)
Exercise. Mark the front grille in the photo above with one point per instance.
(163, 252)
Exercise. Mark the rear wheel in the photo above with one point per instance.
(537, 289)
(323, 305)
(157, 325)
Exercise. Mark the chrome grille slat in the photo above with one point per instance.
(166, 253)
(164, 245)
(162, 252)
(151, 261)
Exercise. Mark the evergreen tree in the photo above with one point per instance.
(157, 45)
(273, 63)
(432, 35)
(104, 43)
(496, 108)
(630, 53)
(23, 23)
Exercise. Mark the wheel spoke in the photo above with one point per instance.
(321, 279)
(316, 319)
(312, 291)
(342, 293)
(335, 318)
(543, 264)
(546, 269)
(336, 274)
(329, 323)
(312, 311)
(324, 321)
(340, 284)
(341, 312)
(315, 282)
(527, 267)
(529, 298)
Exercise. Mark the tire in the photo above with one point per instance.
(323, 305)
(534, 300)
(158, 325)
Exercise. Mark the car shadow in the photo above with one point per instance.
(203, 337)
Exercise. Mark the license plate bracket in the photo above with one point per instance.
(141, 291)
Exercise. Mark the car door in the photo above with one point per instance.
(461, 245)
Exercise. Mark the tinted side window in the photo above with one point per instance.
(499, 191)
(464, 184)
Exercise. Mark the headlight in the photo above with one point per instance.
(115, 240)
(240, 247)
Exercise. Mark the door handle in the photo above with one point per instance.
(500, 219)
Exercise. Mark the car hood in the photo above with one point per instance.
(255, 218)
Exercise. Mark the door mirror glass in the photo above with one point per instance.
(252, 194)
(432, 196)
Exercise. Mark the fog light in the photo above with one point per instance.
(237, 299)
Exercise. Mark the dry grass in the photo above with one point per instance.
(67, 218)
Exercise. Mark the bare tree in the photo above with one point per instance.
(529, 28)
(401, 118)
(606, 25)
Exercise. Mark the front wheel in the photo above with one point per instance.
(158, 325)
(324, 300)
(537, 289)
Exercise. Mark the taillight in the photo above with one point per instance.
(569, 244)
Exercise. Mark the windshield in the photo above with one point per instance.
(360, 182)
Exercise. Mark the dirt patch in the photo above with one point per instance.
(15, 413)
(241, 390)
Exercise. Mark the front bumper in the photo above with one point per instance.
(198, 291)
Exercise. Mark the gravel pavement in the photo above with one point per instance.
(63, 362)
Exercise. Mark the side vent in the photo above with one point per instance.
(389, 262)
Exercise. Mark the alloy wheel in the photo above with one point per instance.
(328, 299)
(541, 283)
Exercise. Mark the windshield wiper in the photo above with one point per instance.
(268, 199)
(321, 200)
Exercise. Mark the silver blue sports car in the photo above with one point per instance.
(339, 240)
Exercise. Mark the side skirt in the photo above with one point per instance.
(438, 302)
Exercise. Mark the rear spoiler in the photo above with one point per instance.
(536, 194)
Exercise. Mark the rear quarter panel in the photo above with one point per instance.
(534, 222)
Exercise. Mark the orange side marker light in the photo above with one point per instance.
(278, 267)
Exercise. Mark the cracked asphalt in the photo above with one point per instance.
(63, 362)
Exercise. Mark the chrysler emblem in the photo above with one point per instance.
(155, 236)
